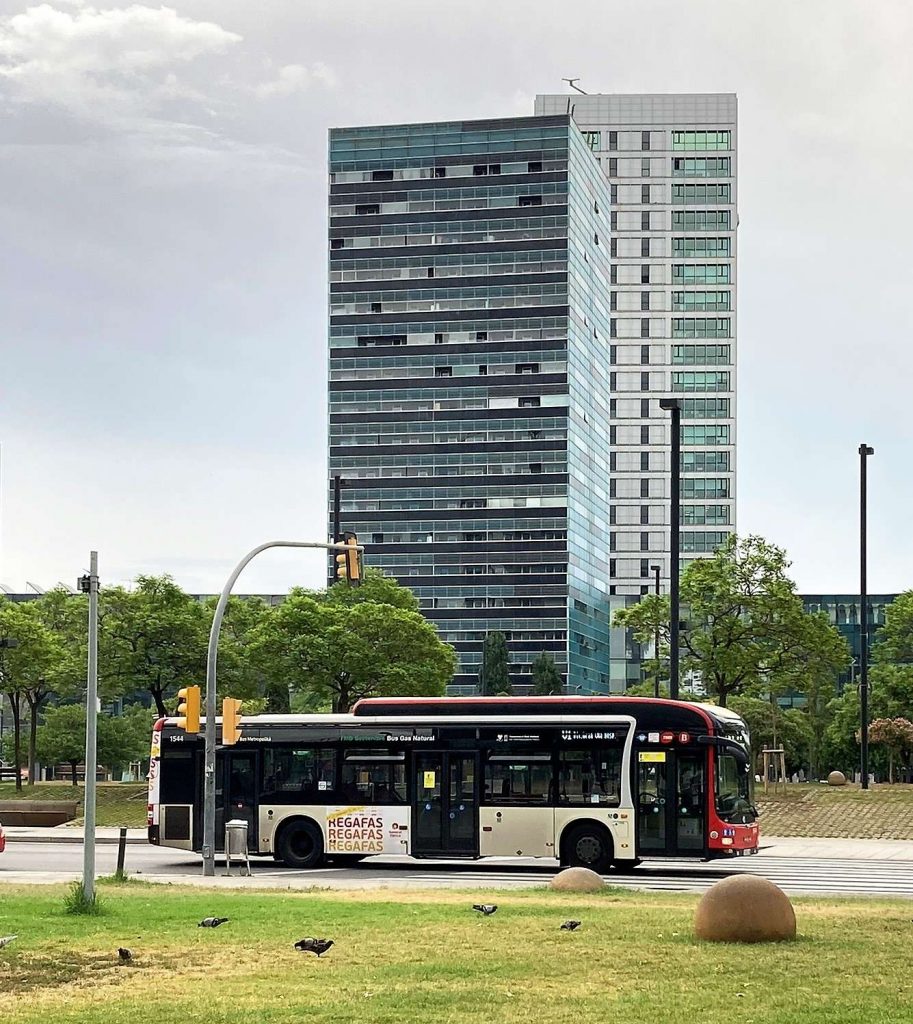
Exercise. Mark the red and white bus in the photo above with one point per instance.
(595, 781)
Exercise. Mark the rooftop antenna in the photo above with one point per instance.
(571, 81)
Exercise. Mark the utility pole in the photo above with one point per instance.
(674, 406)
(337, 485)
(656, 572)
(864, 452)
(89, 585)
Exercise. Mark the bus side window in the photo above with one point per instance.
(295, 775)
(590, 775)
(518, 781)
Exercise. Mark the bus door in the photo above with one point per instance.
(236, 793)
(671, 801)
(446, 804)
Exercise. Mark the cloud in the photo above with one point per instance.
(294, 78)
(102, 64)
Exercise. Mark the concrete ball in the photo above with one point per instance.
(836, 779)
(577, 880)
(745, 908)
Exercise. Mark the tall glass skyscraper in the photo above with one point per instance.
(469, 349)
(671, 164)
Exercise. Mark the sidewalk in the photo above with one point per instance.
(837, 849)
(69, 834)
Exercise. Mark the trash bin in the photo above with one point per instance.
(236, 844)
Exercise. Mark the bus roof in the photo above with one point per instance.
(649, 712)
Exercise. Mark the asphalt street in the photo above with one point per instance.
(44, 863)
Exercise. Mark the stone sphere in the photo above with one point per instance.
(577, 880)
(744, 908)
(836, 779)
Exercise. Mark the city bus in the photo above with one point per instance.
(597, 782)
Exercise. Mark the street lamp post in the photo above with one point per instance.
(655, 569)
(212, 654)
(674, 406)
(89, 585)
(864, 452)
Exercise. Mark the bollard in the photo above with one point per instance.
(121, 852)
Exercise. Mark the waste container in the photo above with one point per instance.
(236, 844)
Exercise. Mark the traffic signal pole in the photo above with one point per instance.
(212, 654)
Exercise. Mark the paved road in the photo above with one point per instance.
(36, 862)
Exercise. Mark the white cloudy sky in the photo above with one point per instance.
(162, 283)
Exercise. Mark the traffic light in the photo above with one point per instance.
(231, 720)
(348, 564)
(189, 709)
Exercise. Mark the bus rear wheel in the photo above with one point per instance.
(588, 846)
(300, 845)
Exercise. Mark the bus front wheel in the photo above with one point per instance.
(588, 846)
(300, 845)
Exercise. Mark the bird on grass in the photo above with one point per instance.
(125, 955)
(570, 926)
(7, 939)
(318, 946)
(212, 922)
(485, 908)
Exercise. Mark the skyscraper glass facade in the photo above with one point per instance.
(469, 379)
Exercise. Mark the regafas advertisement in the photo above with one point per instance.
(367, 830)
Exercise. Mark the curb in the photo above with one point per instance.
(74, 840)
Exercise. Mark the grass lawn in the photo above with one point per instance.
(850, 812)
(118, 803)
(426, 957)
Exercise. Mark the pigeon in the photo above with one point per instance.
(125, 955)
(212, 922)
(7, 939)
(570, 926)
(485, 908)
(318, 946)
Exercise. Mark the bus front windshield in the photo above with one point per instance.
(733, 790)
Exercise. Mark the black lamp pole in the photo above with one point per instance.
(656, 571)
(864, 452)
(674, 406)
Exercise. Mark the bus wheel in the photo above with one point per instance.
(588, 846)
(300, 845)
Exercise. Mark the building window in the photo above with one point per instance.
(381, 175)
(702, 140)
(613, 301)
(644, 541)
(701, 301)
(645, 141)
(645, 273)
(534, 166)
(644, 386)
(481, 335)
(480, 169)
(701, 273)
(530, 200)
(697, 355)
(645, 247)
(645, 301)
(613, 140)
(700, 380)
(377, 307)
(701, 247)
(702, 167)
(440, 172)
(483, 369)
(645, 193)
(494, 168)
(644, 355)
(645, 327)
(613, 274)
(645, 486)
(644, 515)
(529, 402)
(613, 198)
(613, 354)
(645, 435)
(644, 466)
(701, 220)
(645, 167)
(613, 167)
(613, 328)
(443, 371)
(644, 220)
(700, 194)
(704, 327)
(593, 139)
(337, 243)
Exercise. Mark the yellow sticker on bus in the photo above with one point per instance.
(651, 755)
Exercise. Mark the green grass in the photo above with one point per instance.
(426, 957)
(117, 803)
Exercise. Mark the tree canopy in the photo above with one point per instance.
(746, 630)
(545, 677)
(494, 674)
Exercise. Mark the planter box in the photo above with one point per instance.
(38, 812)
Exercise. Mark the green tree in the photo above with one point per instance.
(240, 673)
(494, 675)
(545, 677)
(771, 726)
(895, 735)
(747, 632)
(334, 650)
(61, 738)
(152, 638)
(894, 640)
